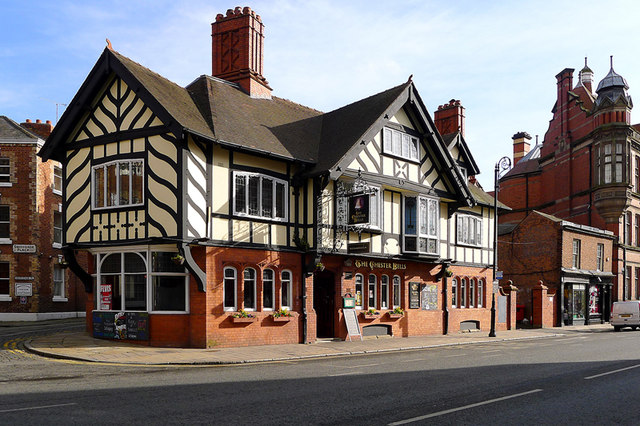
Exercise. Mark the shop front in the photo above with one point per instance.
(586, 300)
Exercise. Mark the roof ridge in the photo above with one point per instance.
(18, 127)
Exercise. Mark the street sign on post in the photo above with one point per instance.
(499, 275)
(496, 286)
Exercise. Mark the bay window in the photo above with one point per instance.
(117, 184)
(143, 280)
(259, 196)
(421, 216)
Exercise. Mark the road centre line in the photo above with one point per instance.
(37, 408)
(350, 373)
(612, 372)
(466, 407)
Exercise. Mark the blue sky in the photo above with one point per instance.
(499, 58)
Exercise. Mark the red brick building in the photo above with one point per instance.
(570, 263)
(34, 281)
(586, 170)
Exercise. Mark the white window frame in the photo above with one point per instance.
(469, 230)
(463, 292)
(575, 259)
(57, 177)
(432, 230)
(5, 178)
(455, 297)
(61, 296)
(275, 180)
(273, 289)
(6, 297)
(600, 257)
(400, 144)
(102, 253)
(397, 290)
(225, 285)
(480, 293)
(117, 195)
(57, 244)
(252, 289)
(472, 293)
(360, 278)
(286, 283)
(7, 239)
(372, 285)
(384, 292)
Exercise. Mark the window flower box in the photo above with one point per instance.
(395, 316)
(281, 319)
(242, 320)
(371, 314)
(282, 315)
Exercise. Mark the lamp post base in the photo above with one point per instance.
(492, 332)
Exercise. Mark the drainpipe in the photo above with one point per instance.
(445, 319)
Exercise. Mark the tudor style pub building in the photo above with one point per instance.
(217, 214)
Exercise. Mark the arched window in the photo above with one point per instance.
(480, 293)
(384, 292)
(397, 295)
(463, 293)
(230, 289)
(268, 290)
(359, 290)
(249, 282)
(372, 291)
(286, 299)
(454, 293)
(472, 285)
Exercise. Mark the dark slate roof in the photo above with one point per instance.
(527, 164)
(175, 99)
(275, 126)
(343, 127)
(10, 130)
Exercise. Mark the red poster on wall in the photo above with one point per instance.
(105, 297)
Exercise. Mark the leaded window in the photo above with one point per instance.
(421, 217)
(259, 196)
(118, 183)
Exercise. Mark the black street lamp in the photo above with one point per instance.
(502, 165)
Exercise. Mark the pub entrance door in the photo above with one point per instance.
(324, 296)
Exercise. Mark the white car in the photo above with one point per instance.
(625, 314)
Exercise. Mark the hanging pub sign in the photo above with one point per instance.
(358, 209)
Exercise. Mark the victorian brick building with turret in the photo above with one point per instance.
(586, 171)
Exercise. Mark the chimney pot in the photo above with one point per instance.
(38, 121)
(48, 121)
(28, 120)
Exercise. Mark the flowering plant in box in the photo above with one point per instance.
(372, 312)
(243, 314)
(282, 313)
(398, 311)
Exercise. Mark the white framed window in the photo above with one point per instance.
(57, 180)
(469, 230)
(371, 299)
(463, 293)
(58, 284)
(600, 254)
(421, 217)
(5, 280)
(472, 287)
(57, 229)
(576, 254)
(117, 184)
(400, 144)
(230, 289)
(5, 224)
(260, 196)
(454, 293)
(397, 295)
(480, 293)
(5, 171)
(143, 279)
(249, 286)
(359, 290)
(268, 290)
(384, 292)
(286, 296)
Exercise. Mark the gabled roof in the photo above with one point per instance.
(221, 112)
(456, 138)
(12, 131)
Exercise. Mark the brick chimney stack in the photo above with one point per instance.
(237, 50)
(449, 118)
(39, 128)
(521, 146)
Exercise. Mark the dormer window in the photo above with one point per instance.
(400, 144)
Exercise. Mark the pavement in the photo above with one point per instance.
(81, 346)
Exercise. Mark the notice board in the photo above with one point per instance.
(121, 325)
(351, 321)
(429, 297)
(414, 295)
